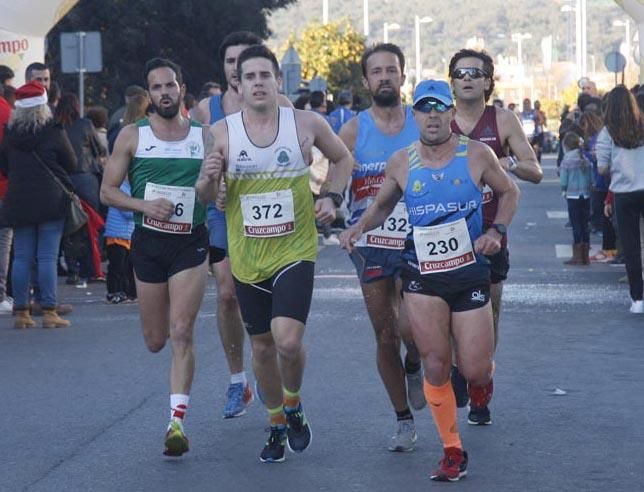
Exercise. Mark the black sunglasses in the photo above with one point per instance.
(471, 72)
(429, 105)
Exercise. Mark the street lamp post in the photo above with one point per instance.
(365, 9)
(386, 27)
(518, 38)
(325, 12)
(581, 41)
(417, 22)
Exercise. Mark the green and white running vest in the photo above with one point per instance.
(269, 210)
(162, 169)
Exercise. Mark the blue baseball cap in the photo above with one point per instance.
(435, 89)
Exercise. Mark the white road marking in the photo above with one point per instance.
(563, 250)
(557, 214)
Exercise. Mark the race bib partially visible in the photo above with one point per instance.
(392, 233)
(487, 193)
(444, 247)
(268, 214)
(528, 127)
(183, 199)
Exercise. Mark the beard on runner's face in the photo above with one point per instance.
(167, 112)
(386, 95)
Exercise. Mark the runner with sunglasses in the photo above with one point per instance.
(472, 76)
(446, 278)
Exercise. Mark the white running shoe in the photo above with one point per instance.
(415, 392)
(404, 438)
(332, 240)
(637, 307)
(6, 306)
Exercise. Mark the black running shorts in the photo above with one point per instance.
(458, 296)
(286, 294)
(157, 256)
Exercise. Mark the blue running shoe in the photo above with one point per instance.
(239, 396)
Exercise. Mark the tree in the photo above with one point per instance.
(188, 32)
(333, 52)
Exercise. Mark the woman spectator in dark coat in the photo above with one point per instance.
(33, 152)
(86, 177)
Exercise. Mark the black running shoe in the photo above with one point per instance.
(299, 431)
(459, 385)
(273, 451)
(479, 416)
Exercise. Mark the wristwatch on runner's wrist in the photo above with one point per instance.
(500, 228)
(336, 198)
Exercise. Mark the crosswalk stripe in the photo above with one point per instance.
(557, 214)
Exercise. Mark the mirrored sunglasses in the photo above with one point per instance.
(471, 72)
(429, 105)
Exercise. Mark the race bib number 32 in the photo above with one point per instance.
(391, 234)
(268, 214)
(183, 199)
(444, 247)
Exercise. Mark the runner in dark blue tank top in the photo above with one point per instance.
(373, 136)
(446, 276)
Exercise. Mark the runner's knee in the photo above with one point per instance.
(263, 349)
(181, 333)
(437, 368)
(289, 345)
(155, 342)
(477, 374)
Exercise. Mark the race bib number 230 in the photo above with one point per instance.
(444, 247)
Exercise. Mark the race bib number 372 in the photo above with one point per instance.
(268, 214)
(183, 199)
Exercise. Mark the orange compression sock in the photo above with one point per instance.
(442, 403)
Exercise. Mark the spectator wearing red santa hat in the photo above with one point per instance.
(34, 155)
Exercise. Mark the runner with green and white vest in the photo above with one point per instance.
(162, 156)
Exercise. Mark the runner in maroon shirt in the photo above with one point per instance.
(472, 76)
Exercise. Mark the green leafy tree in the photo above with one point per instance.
(188, 32)
(333, 52)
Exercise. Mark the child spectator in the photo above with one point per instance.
(120, 273)
(575, 179)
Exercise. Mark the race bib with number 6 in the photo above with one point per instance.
(392, 233)
(444, 247)
(183, 199)
(268, 214)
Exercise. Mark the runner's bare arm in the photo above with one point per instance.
(528, 168)
(207, 185)
(503, 187)
(202, 114)
(388, 196)
(115, 173)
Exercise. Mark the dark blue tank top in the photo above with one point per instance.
(440, 196)
(216, 110)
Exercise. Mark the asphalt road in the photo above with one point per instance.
(85, 408)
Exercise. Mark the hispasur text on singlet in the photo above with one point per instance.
(372, 150)
(269, 210)
(168, 169)
(444, 207)
(487, 131)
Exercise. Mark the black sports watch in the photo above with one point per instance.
(500, 228)
(336, 198)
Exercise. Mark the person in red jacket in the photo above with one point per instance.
(6, 233)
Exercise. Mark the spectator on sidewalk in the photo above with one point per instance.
(575, 176)
(620, 152)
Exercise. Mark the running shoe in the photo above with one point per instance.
(299, 431)
(273, 451)
(459, 385)
(479, 416)
(239, 396)
(637, 307)
(404, 438)
(176, 442)
(452, 467)
(415, 389)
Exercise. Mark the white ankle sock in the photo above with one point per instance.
(178, 406)
(239, 377)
